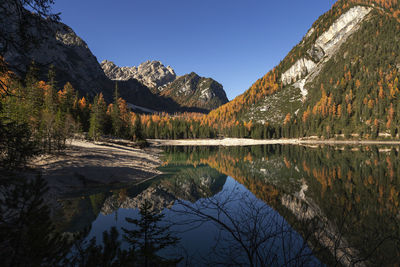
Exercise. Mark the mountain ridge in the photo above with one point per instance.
(48, 42)
(188, 91)
(152, 74)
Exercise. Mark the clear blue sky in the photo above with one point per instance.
(232, 41)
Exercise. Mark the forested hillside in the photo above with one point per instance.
(350, 89)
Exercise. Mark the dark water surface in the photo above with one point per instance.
(265, 205)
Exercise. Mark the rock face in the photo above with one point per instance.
(27, 37)
(324, 47)
(341, 28)
(52, 43)
(298, 70)
(191, 90)
(158, 197)
(55, 43)
(152, 74)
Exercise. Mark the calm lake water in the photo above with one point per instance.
(269, 205)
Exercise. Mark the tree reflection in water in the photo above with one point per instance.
(247, 231)
(281, 205)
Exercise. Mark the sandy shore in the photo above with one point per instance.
(250, 142)
(85, 164)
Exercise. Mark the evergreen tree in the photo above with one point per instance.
(97, 117)
(34, 95)
(16, 144)
(116, 120)
(150, 236)
(27, 236)
(50, 100)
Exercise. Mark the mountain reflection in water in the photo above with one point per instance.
(264, 205)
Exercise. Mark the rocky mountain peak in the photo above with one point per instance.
(194, 91)
(152, 74)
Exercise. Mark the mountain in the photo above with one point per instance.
(342, 78)
(27, 37)
(191, 90)
(47, 42)
(152, 74)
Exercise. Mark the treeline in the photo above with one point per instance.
(37, 116)
(47, 116)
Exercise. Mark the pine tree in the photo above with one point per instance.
(27, 236)
(116, 114)
(50, 101)
(97, 117)
(34, 95)
(150, 236)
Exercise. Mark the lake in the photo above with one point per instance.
(266, 205)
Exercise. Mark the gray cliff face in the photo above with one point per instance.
(152, 74)
(48, 42)
(189, 90)
(324, 48)
(27, 37)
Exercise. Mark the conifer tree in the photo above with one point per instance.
(97, 117)
(116, 114)
(27, 236)
(51, 92)
(151, 236)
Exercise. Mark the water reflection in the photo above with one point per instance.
(266, 205)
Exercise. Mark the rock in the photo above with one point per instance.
(297, 71)
(49, 43)
(152, 74)
(339, 29)
(310, 32)
(191, 90)
(54, 43)
(325, 45)
(316, 53)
